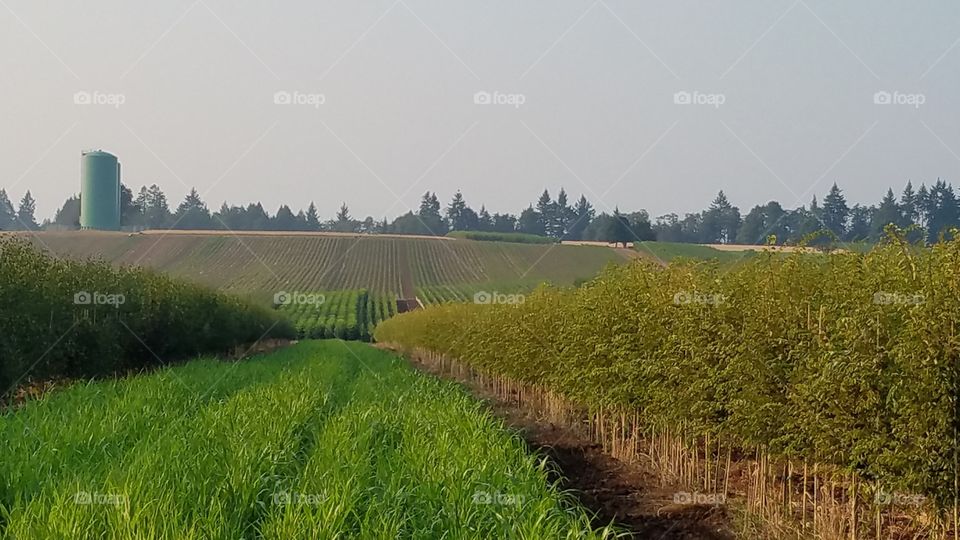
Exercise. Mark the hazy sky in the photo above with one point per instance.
(786, 90)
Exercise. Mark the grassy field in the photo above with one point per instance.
(261, 265)
(321, 440)
(670, 251)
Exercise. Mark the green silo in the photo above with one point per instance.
(99, 191)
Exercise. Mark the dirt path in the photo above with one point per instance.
(628, 494)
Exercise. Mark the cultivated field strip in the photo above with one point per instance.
(262, 265)
(320, 440)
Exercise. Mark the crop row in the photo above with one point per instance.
(847, 360)
(61, 318)
(320, 440)
(350, 314)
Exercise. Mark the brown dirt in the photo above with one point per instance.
(627, 494)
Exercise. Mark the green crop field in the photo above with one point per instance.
(321, 440)
(261, 265)
(340, 314)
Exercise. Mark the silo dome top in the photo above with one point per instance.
(96, 153)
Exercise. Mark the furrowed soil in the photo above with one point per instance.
(628, 494)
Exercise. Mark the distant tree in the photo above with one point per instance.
(640, 228)
(484, 220)
(312, 219)
(343, 222)
(429, 215)
(562, 217)
(461, 216)
(530, 222)
(754, 227)
(285, 220)
(888, 212)
(192, 214)
(409, 223)
(720, 222)
(8, 217)
(944, 210)
(26, 213)
(130, 212)
(908, 205)
(835, 212)
(546, 213)
(156, 211)
(861, 223)
(580, 217)
(69, 214)
(504, 223)
(923, 205)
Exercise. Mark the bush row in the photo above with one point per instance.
(848, 359)
(61, 318)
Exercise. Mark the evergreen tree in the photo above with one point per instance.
(431, 222)
(504, 223)
(312, 219)
(285, 220)
(581, 216)
(484, 220)
(156, 209)
(923, 205)
(192, 214)
(459, 215)
(545, 211)
(562, 216)
(861, 223)
(530, 222)
(944, 211)
(888, 212)
(835, 212)
(26, 218)
(721, 221)
(69, 214)
(908, 205)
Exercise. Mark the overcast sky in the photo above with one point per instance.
(783, 100)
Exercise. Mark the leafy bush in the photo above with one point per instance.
(63, 318)
(849, 359)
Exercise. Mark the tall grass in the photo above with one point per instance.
(321, 440)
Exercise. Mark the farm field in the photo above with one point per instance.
(320, 440)
(350, 314)
(261, 265)
(838, 368)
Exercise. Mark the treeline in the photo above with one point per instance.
(64, 318)
(930, 210)
(847, 362)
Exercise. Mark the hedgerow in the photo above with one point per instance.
(849, 360)
(61, 318)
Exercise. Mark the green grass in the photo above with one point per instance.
(321, 440)
(670, 251)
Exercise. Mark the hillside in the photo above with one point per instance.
(261, 264)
